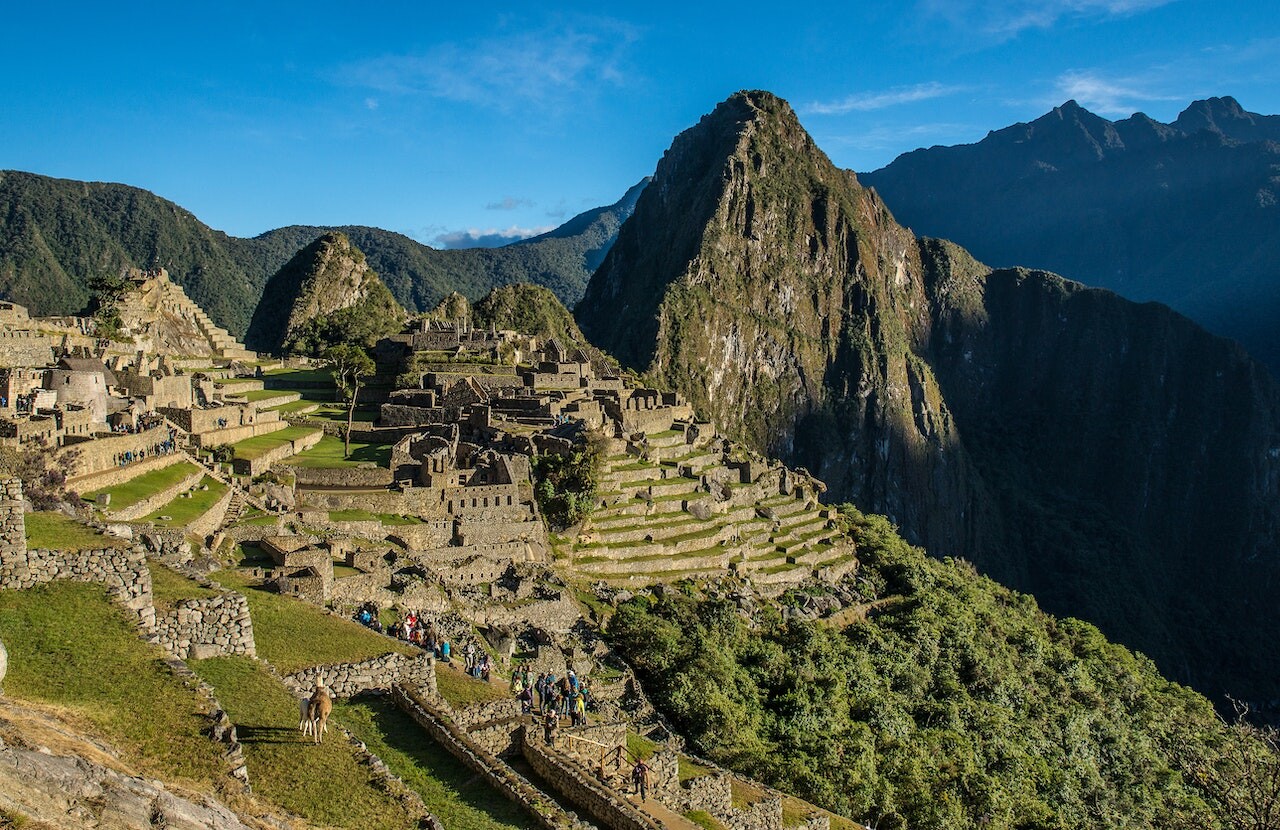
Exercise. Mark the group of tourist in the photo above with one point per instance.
(566, 696)
(414, 628)
(166, 446)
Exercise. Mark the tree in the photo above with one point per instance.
(350, 365)
(1238, 770)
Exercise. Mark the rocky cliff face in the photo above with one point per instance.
(1114, 458)
(327, 276)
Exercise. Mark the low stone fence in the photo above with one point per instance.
(495, 710)
(123, 571)
(346, 680)
(154, 502)
(495, 772)
(610, 808)
(240, 432)
(208, 523)
(371, 476)
(208, 627)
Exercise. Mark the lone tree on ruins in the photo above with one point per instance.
(350, 365)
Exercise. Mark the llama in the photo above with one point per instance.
(304, 715)
(318, 708)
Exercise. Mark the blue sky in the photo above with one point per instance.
(434, 120)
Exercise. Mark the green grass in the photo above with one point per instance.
(339, 414)
(144, 486)
(71, 647)
(182, 512)
(260, 445)
(324, 783)
(452, 792)
(301, 375)
(293, 635)
(168, 586)
(704, 820)
(329, 453)
(339, 571)
(263, 394)
(58, 531)
(640, 746)
(291, 406)
(366, 516)
(460, 690)
(689, 769)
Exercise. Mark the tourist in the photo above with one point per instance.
(444, 650)
(640, 778)
(540, 688)
(550, 720)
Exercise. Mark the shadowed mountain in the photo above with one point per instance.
(1114, 459)
(1183, 213)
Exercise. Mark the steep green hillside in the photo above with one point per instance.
(527, 308)
(942, 701)
(56, 234)
(1114, 459)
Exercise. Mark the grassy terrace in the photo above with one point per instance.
(103, 676)
(324, 783)
(300, 375)
(366, 516)
(293, 407)
(168, 586)
(263, 394)
(181, 512)
(260, 445)
(293, 635)
(462, 690)
(337, 412)
(329, 453)
(144, 486)
(451, 792)
(57, 531)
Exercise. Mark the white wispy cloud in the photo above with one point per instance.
(1005, 19)
(867, 101)
(543, 67)
(509, 203)
(486, 238)
(1108, 96)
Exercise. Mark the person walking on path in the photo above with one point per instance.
(550, 721)
(640, 778)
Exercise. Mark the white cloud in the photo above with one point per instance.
(544, 67)
(1107, 96)
(866, 101)
(488, 238)
(1006, 19)
(371, 103)
(509, 203)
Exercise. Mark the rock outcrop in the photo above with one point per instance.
(330, 275)
(1114, 459)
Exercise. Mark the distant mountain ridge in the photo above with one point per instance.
(1186, 213)
(1114, 459)
(56, 233)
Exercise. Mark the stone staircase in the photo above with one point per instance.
(663, 514)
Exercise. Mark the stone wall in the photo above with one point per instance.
(346, 680)
(104, 452)
(610, 808)
(13, 528)
(24, 348)
(124, 572)
(371, 476)
(496, 710)
(208, 523)
(208, 627)
(119, 475)
(495, 772)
